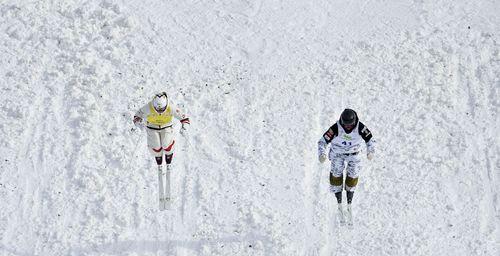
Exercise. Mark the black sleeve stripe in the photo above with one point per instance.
(332, 132)
(364, 132)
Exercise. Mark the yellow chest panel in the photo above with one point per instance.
(159, 118)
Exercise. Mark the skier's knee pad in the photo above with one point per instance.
(336, 181)
(156, 152)
(350, 183)
(169, 148)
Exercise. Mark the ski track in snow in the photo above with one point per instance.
(261, 82)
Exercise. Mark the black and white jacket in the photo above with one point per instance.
(346, 142)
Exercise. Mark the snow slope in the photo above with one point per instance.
(261, 81)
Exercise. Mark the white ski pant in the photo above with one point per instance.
(339, 162)
(160, 141)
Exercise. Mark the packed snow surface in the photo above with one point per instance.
(261, 82)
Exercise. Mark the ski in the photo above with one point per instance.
(341, 215)
(349, 215)
(167, 196)
(161, 191)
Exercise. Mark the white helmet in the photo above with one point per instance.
(160, 102)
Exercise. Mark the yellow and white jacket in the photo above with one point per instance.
(160, 121)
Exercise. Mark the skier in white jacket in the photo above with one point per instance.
(158, 116)
(346, 137)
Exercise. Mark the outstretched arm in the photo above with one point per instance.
(140, 115)
(370, 142)
(328, 136)
(179, 114)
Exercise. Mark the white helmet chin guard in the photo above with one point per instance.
(160, 101)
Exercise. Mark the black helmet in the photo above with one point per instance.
(348, 117)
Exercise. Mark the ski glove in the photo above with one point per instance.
(184, 131)
(185, 122)
(322, 158)
(369, 155)
(138, 122)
